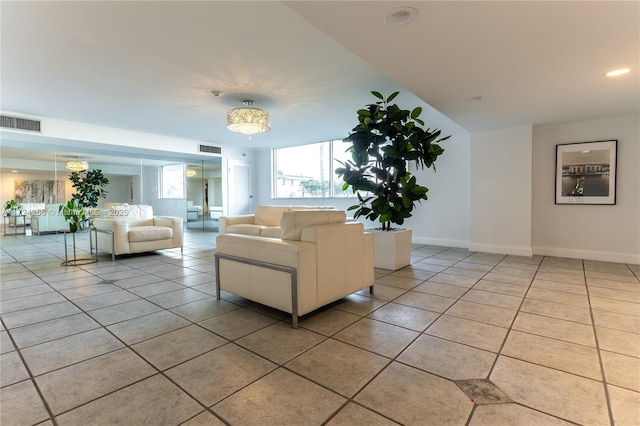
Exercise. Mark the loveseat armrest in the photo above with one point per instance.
(349, 251)
(225, 221)
(265, 286)
(173, 222)
(120, 229)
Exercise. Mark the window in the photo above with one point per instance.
(172, 181)
(308, 171)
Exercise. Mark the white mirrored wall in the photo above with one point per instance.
(187, 187)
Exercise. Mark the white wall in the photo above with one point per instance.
(501, 191)
(600, 232)
(117, 190)
(443, 219)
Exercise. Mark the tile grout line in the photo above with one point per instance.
(361, 317)
(31, 378)
(605, 384)
(83, 311)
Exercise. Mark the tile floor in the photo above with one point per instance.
(143, 340)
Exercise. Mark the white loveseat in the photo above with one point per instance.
(125, 229)
(265, 222)
(49, 219)
(318, 259)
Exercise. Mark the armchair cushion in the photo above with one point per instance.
(294, 222)
(149, 233)
(269, 215)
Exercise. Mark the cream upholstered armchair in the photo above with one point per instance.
(124, 229)
(318, 259)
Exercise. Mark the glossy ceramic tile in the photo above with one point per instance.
(143, 340)
(276, 399)
(564, 395)
(85, 381)
(448, 359)
(152, 401)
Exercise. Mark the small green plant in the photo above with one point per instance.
(10, 207)
(386, 139)
(75, 214)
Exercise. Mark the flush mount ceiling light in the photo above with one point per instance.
(76, 166)
(191, 173)
(618, 72)
(248, 120)
(400, 16)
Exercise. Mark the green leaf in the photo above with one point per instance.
(383, 144)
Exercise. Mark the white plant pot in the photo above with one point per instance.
(392, 249)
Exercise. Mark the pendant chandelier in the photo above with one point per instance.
(248, 120)
(76, 166)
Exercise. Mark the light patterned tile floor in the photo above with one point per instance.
(143, 340)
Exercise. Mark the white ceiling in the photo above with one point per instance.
(150, 66)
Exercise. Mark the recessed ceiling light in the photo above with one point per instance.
(400, 16)
(14, 171)
(616, 73)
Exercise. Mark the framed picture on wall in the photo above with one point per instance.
(586, 172)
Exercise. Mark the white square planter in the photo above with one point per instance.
(392, 248)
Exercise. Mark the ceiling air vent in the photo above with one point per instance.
(210, 149)
(19, 123)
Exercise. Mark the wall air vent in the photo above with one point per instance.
(19, 123)
(210, 149)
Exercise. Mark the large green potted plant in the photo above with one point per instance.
(90, 187)
(385, 141)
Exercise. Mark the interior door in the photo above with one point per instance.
(240, 188)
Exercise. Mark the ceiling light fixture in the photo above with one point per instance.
(191, 173)
(76, 166)
(618, 72)
(400, 16)
(248, 120)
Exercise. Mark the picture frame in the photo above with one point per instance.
(586, 172)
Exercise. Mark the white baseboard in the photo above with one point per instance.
(603, 256)
(491, 248)
(444, 242)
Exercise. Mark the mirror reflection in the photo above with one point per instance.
(38, 174)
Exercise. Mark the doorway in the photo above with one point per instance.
(204, 194)
(240, 188)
